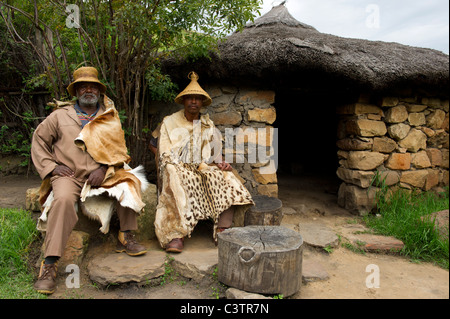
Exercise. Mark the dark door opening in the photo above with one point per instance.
(307, 127)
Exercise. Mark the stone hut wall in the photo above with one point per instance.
(401, 141)
(244, 117)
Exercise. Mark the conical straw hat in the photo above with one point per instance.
(85, 74)
(194, 88)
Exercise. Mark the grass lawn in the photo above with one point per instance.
(17, 232)
(399, 215)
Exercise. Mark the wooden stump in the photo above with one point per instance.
(266, 212)
(261, 259)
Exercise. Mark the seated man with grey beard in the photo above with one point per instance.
(68, 167)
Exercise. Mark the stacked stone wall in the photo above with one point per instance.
(249, 115)
(400, 141)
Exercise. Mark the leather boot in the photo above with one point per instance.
(127, 243)
(46, 283)
(175, 246)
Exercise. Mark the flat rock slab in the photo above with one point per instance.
(195, 264)
(359, 237)
(313, 271)
(377, 243)
(233, 293)
(119, 268)
(318, 235)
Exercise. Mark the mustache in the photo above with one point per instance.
(86, 95)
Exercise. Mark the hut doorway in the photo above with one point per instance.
(307, 135)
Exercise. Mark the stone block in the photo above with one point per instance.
(75, 250)
(445, 158)
(362, 179)
(364, 160)
(444, 178)
(384, 145)
(354, 144)
(107, 269)
(415, 108)
(388, 178)
(222, 103)
(318, 235)
(227, 118)
(438, 140)
(313, 271)
(262, 115)
(146, 227)
(398, 131)
(32, 200)
(414, 141)
(357, 200)
(389, 101)
(420, 160)
(414, 178)
(397, 114)
(366, 128)
(233, 293)
(264, 178)
(399, 161)
(260, 136)
(432, 179)
(268, 190)
(435, 156)
(256, 98)
(435, 119)
(417, 119)
(445, 124)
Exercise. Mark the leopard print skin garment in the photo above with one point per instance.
(193, 192)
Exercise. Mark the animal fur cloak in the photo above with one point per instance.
(190, 189)
(103, 139)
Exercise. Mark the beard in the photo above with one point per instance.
(88, 100)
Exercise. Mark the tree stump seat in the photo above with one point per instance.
(265, 212)
(261, 259)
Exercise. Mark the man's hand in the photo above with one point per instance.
(224, 166)
(96, 177)
(63, 170)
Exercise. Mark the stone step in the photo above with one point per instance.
(198, 259)
(318, 235)
(313, 271)
(362, 238)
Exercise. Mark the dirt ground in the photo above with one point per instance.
(307, 200)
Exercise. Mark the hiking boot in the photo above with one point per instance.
(46, 283)
(127, 243)
(175, 245)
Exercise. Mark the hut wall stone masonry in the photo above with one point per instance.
(404, 141)
(248, 115)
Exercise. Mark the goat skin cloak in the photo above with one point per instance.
(190, 189)
(103, 139)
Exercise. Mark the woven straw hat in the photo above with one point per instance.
(194, 88)
(85, 74)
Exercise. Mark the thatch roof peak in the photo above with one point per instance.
(278, 15)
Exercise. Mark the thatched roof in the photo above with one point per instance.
(278, 51)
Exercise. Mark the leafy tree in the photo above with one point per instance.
(125, 40)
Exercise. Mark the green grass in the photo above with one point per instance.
(17, 232)
(401, 214)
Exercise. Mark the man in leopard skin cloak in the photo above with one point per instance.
(195, 183)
